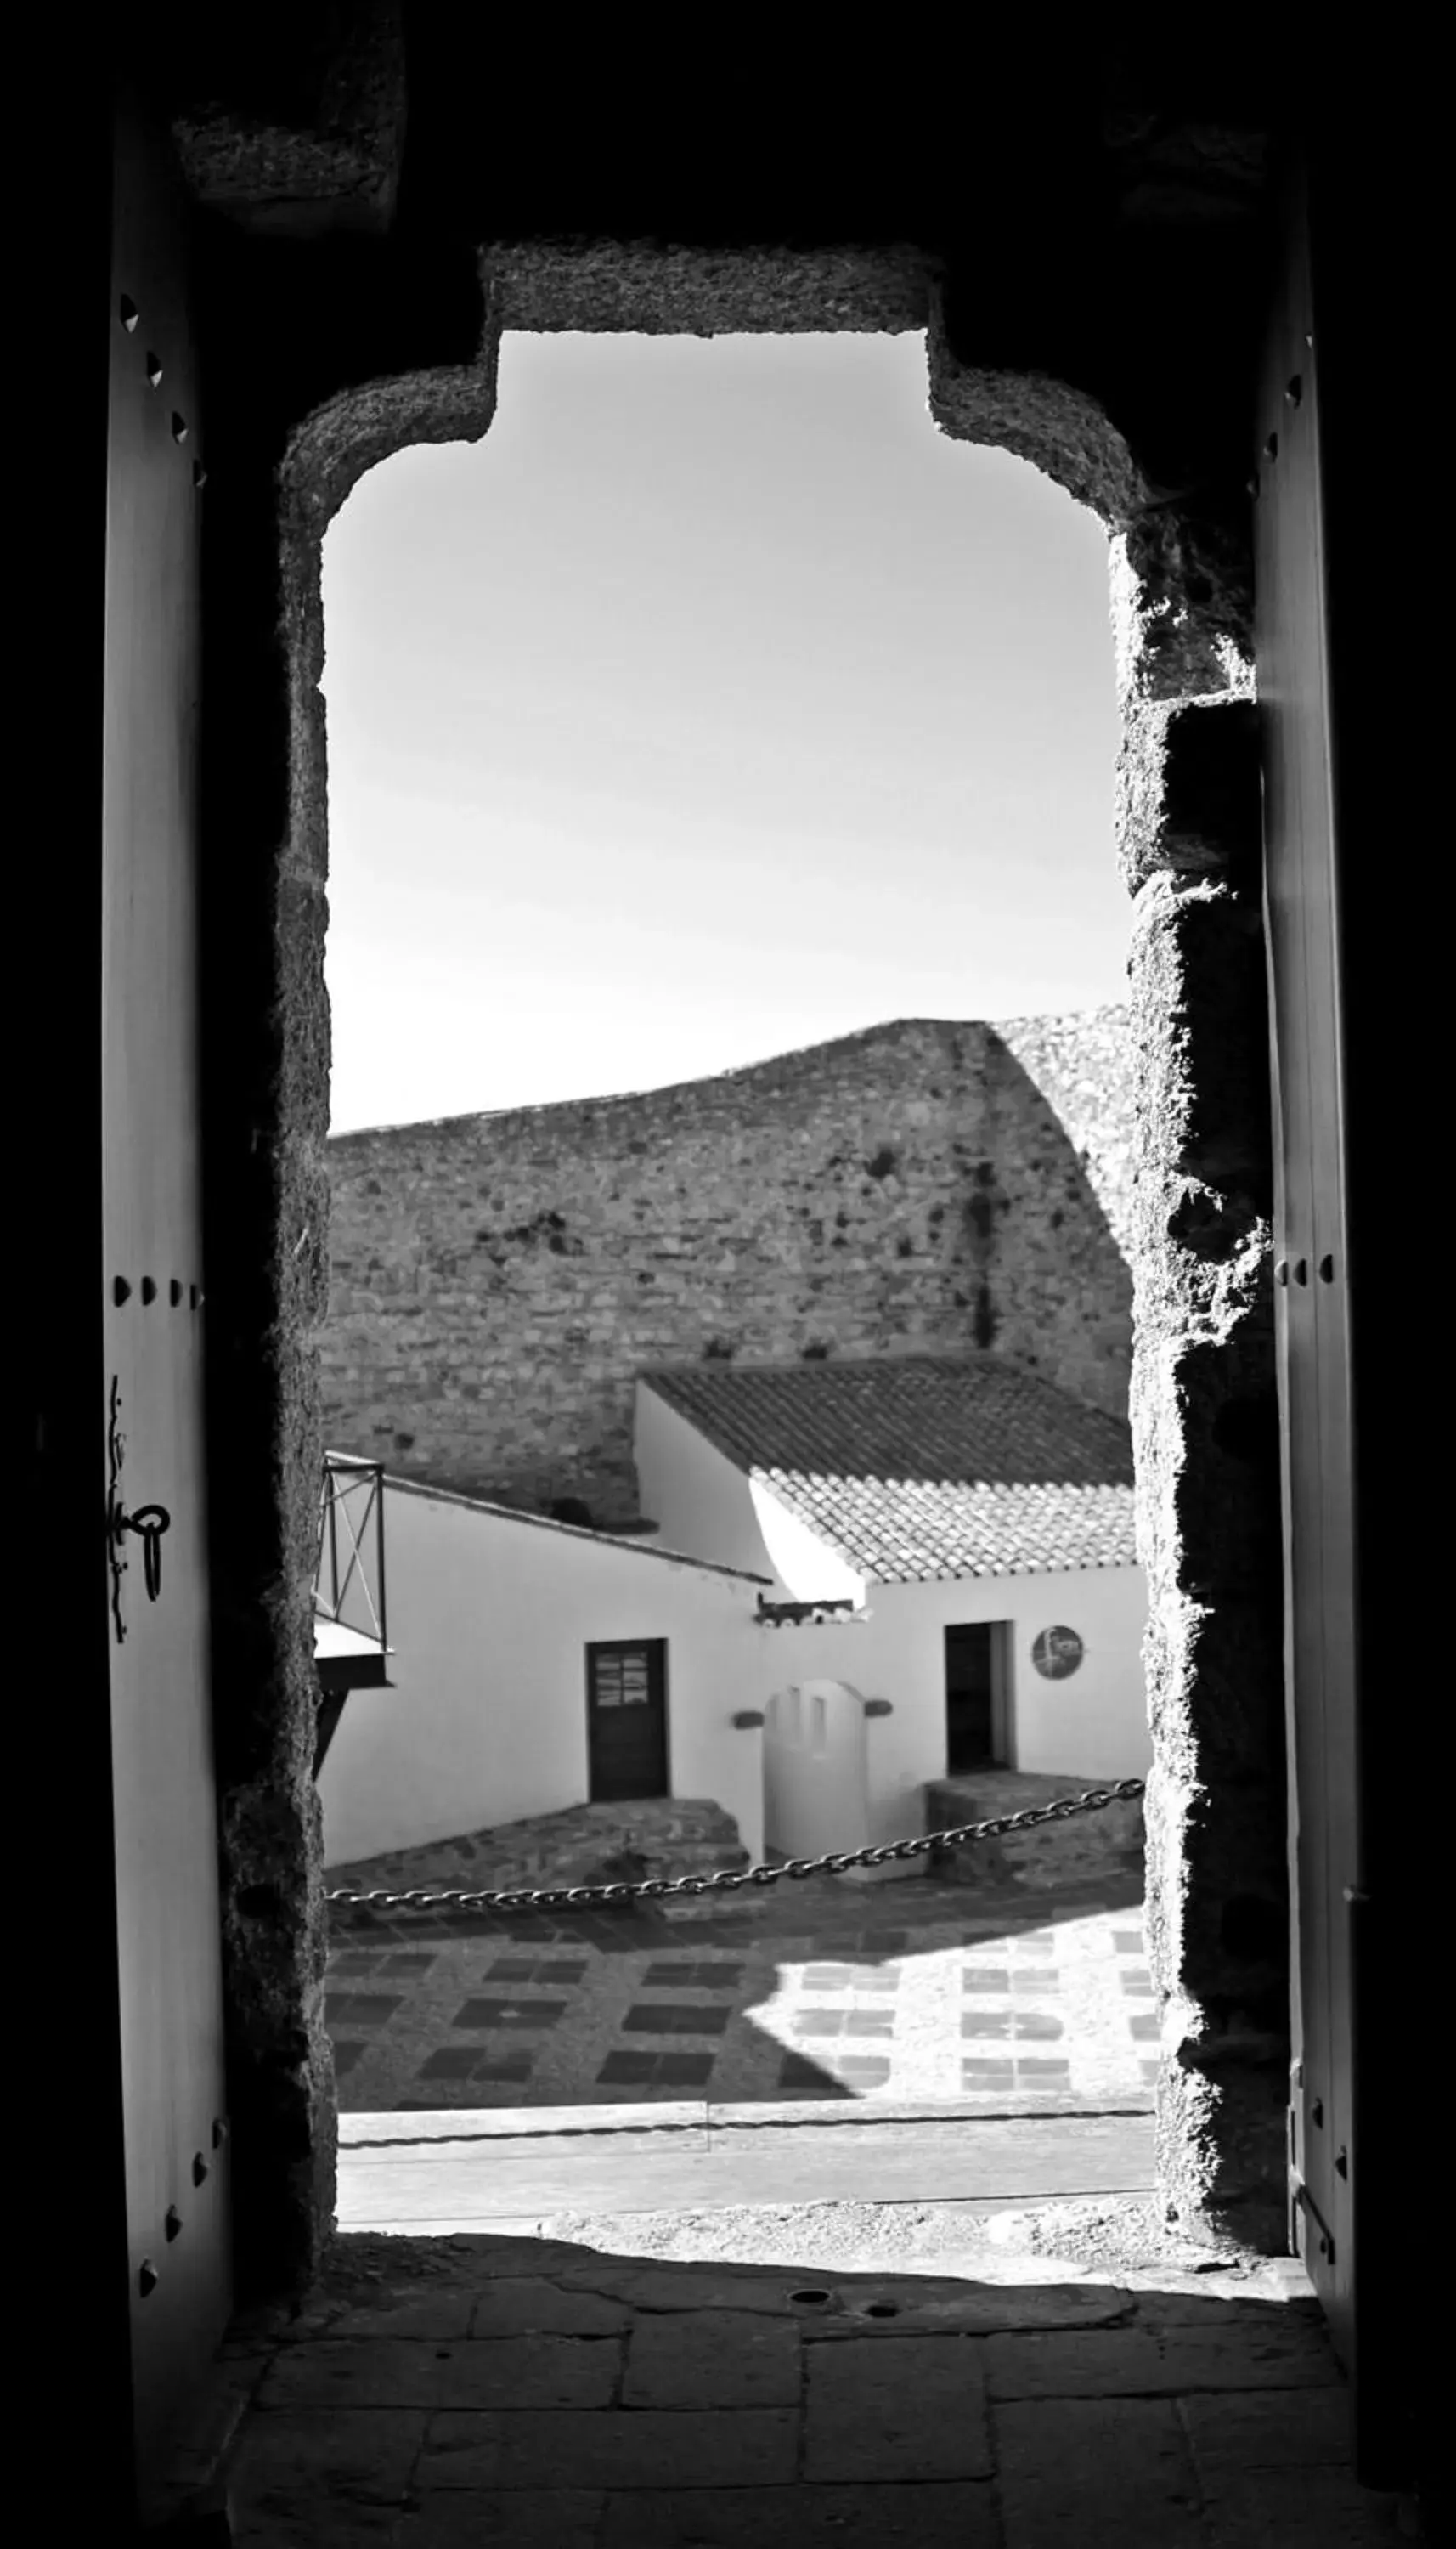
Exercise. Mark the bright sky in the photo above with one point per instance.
(713, 705)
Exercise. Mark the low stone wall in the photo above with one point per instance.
(1105, 1847)
(581, 1846)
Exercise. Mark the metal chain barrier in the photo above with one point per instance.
(728, 1880)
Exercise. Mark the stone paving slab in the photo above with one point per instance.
(1105, 2473)
(919, 2414)
(929, 2515)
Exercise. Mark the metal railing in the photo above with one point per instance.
(349, 1588)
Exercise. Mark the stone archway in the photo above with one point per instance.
(1160, 465)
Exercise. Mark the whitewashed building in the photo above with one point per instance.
(862, 1576)
(534, 1666)
(955, 1580)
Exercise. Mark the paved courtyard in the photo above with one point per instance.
(916, 1990)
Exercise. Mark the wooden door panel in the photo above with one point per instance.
(164, 1803)
(1311, 1288)
(627, 1722)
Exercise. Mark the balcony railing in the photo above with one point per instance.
(350, 1627)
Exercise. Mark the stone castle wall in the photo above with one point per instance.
(499, 1280)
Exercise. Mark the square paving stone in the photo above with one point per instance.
(359, 2009)
(1142, 2026)
(674, 2019)
(1035, 2026)
(914, 2410)
(501, 2066)
(988, 2075)
(525, 2305)
(707, 1977)
(442, 2312)
(548, 2517)
(389, 2372)
(624, 2066)
(407, 1960)
(675, 2447)
(1301, 2508)
(863, 2070)
(448, 2063)
(818, 2022)
(296, 2470)
(1041, 2070)
(828, 1977)
(993, 1980)
(1103, 2473)
(1075, 2363)
(627, 2069)
(797, 2072)
(1275, 2352)
(1129, 1942)
(980, 2021)
(345, 2055)
(934, 2517)
(712, 2359)
(1235, 2431)
(870, 2021)
(1137, 1984)
(509, 2012)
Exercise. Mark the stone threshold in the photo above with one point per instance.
(675, 2116)
(435, 2174)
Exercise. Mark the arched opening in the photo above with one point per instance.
(1184, 845)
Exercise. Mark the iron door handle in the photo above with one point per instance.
(149, 1522)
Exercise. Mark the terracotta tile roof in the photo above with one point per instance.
(917, 1466)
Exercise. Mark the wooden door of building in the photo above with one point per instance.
(627, 1719)
(1345, 2084)
(154, 1495)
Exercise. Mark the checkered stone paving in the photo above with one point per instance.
(909, 1992)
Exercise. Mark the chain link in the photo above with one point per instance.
(728, 1880)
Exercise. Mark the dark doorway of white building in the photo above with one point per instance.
(978, 1664)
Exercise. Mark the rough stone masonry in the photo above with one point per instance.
(498, 1278)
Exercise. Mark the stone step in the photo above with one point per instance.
(435, 2174)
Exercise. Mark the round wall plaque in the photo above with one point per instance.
(1057, 1653)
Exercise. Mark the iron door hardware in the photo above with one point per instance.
(149, 1522)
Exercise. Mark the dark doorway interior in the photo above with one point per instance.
(976, 1696)
(627, 1719)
